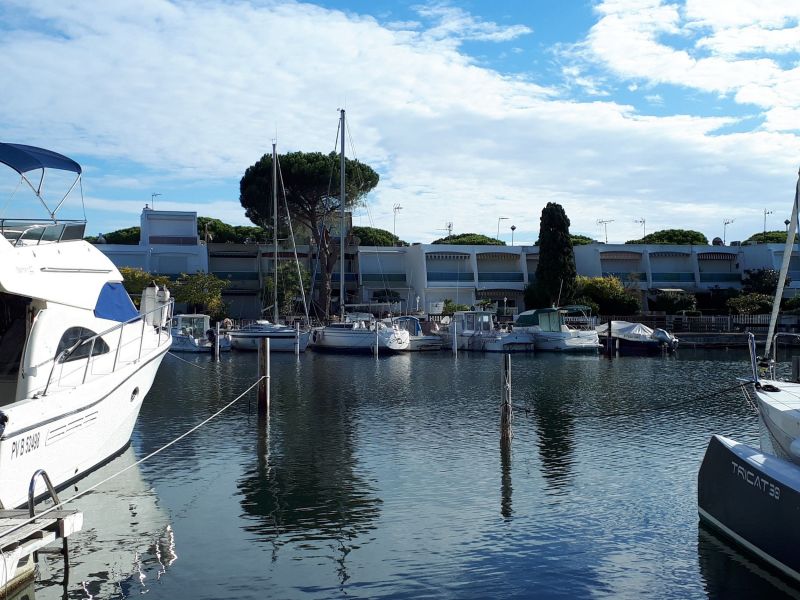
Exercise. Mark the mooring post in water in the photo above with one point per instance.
(610, 341)
(297, 339)
(455, 336)
(506, 414)
(263, 376)
(376, 339)
(216, 344)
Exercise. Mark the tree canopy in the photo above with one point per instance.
(469, 239)
(128, 236)
(555, 272)
(581, 240)
(673, 236)
(607, 294)
(371, 236)
(311, 186)
(770, 237)
(762, 281)
(221, 233)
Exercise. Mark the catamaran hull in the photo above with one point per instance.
(754, 499)
(71, 431)
(282, 342)
(781, 423)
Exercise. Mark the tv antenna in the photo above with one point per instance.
(604, 223)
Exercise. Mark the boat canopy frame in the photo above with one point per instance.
(24, 159)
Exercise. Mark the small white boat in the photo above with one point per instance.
(76, 356)
(419, 341)
(193, 333)
(636, 338)
(359, 332)
(282, 338)
(475, 330)
(552, 334)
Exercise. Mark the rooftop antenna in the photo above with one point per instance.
(153, 200)
(642, 223)
(725, 223)
(604, 223)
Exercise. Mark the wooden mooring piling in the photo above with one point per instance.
(263, 376)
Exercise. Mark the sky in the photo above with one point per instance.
(634, 115)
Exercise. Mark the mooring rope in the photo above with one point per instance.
(528, 409)
(173, 355)
(137, 463)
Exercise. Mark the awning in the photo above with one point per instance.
(612, 255)
(447, 255)
(496, 293)
(497, 256)
(669, 254)
(24, 158)
(716, 256)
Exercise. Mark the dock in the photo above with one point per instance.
(20, 539)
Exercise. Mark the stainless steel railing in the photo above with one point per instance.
(162, 331)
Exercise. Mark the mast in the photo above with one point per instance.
(275, 232)
(787, 254)
(341, 223)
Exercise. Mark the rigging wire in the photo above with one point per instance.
(528, 409)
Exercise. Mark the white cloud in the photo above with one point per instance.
(189, 94)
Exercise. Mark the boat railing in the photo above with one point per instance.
(33, 232)
(164, 336)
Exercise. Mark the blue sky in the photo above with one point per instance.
(681, 114)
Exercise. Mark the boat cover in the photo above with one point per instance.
(626, 329)
(114, 304)
(24, 158)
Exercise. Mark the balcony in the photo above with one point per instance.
(383, 277)
(674, 277)
(450, 276)
(505, 277)
(720, 278)
(627, 276)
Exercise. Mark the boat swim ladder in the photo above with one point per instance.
(56, 503)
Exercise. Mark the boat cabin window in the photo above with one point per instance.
(75, 334)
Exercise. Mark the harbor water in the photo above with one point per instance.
(384, 478)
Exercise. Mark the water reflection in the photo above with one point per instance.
(127, 542)
(304, 486)
(730, 574)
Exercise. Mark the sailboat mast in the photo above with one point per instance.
(341, 222)
(275, 231)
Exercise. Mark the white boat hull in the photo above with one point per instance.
(490, 342)
(571, 341)
(359, 340)
(278, 342)
(424, 343)
(780, 411)
(71, 430)
(186, 343)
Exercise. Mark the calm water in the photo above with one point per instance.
(385, 479)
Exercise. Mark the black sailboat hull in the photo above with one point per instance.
(754, 499)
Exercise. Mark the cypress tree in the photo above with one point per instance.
(555, 273)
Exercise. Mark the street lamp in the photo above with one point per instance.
(786, 222)
(153, 200)
(766, 212)
(725, 224)
(396, 208)
(498, 225)
(513, 229)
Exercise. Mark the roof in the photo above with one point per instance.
(24, 158)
